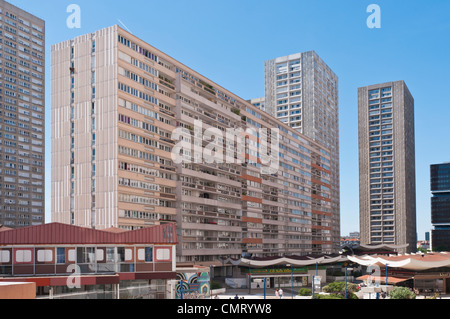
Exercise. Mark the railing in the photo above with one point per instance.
(133, 292)
(32, 269)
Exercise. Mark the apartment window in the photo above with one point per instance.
(374, 94)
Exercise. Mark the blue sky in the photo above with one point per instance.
(228, 42)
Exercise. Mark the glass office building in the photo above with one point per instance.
(440, 206)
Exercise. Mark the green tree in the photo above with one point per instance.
(422, 250)
(305, 292)
(402, 293)
(337, 290)
(337, 287)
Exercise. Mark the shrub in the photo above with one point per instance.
(339, 287)
(402, 293)
(305, 292)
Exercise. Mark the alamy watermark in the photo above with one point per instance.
(74, 280)
(74, 19)
(259, 147)
(374, 20)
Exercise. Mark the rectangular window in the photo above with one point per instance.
(110, 253)
(60, 255)
(148, 254)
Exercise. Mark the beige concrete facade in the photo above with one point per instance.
(221, 209)
(22, 118)
(387, 165)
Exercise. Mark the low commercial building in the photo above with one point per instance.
(425, 273)
(66, 261)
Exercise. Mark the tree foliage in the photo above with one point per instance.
(337, 290)
(402, 293)
(337, 287)
(305, 292)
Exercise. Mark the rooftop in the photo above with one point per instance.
(60, 234)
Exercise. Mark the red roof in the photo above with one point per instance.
(4, 228)
(60, 234)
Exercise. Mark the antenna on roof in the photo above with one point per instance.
(124, 25)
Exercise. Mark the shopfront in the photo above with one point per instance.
(287, 277)
(431, 283)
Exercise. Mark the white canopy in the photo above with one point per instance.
(415, 262)
(286, 260)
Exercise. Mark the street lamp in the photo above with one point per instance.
(249, 278)
(345, 281)
(346, 270)
(265, 287)
(313, 282)
(210, 280)
(387, 277)
(292, 279)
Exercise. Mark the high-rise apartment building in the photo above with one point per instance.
(259, 103)
(133, 135)
(302, 91)
(22, 109)
(387, 165)
(440, 206)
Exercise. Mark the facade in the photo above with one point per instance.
(78, 262)
(132, 129)
(302, 91)
(440, 206)
(22, 109)
(259, 103)
(112, 117)
(387, 165)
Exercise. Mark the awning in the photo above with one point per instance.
(415, 262)
(307, 261)
(382, 280)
